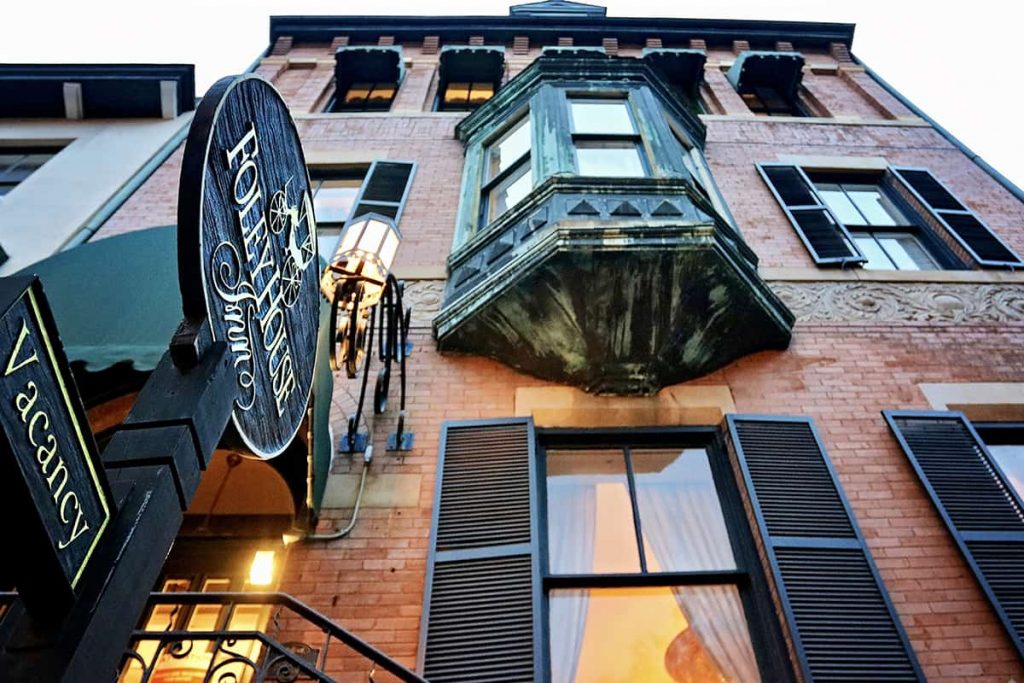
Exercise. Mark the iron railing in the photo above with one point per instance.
(279, 651)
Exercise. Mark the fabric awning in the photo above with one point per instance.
(116, 303)
(780, 70)
(472, 64)
(680, 67)
(369, 64)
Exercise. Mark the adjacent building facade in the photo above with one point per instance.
(716, 373)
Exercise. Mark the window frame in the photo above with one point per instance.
(942, 256)
(487, 185)
(749, 576)
(796, 107)
(636, 137)
(339, 96)
(10, 177)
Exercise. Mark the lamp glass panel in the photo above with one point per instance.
(388, 249)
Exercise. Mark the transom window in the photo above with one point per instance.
(606, 139)
(507, 174)
(642, 579)
(882, 232)
(18, 163)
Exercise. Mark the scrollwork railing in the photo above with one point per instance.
(245, 638)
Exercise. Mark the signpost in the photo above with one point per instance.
(55, 484)
(248, 273)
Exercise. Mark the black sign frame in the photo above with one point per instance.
(31, 353)
(240, 118)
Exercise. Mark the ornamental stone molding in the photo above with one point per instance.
(425, 297)
(858, 302)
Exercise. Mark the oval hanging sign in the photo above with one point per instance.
(247, 253)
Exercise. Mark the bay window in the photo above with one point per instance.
(507, 174)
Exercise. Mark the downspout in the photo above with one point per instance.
(984, 165)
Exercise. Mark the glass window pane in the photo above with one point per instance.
(333, 200)
(510, 191)
(840, 204)
(1011, 460)
(877, 260)
(610, 159)
(655, 635)
(590, 517)
(509, 148)
(480, 93)
(876, 209)
(357, 94)
(680, 514)
(906, 251)
(456, 93)
(608, 117)
(381, 94)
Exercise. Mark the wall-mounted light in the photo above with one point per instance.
(261, 573)
(363, 294)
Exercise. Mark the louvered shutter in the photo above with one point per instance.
(823, 235)
(385, 189)
(962, 224)
(983, 513)
(843, 624)
(483, 577)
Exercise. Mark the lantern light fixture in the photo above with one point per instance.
(364, 295)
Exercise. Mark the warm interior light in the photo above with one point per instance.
(365, 253)
(262, 571)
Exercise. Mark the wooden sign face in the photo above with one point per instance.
(247, 253)
(54, 474)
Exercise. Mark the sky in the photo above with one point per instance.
(959, 63)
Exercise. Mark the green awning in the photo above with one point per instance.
(472, 64)
(368, 64)
(780, 70)
(116, 303)
(115, 299)
(682, 67)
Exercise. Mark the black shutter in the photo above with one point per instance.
(843, 624)
(385, 189)
(983, 513)
(963, 225)
(483, 578)
(822, 234)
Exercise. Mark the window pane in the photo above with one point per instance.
(381, 96)
(655, 635)
(590, 517)
(906, 251)
(680, 514)
(510, 191)
(357, 94)
(877, 260)
(333, 199)
(609, 159)
(601, 116)
(840, 204)
(1011, 460)
(509, 148)
(873, 205)
(456, 93)
(480, 93)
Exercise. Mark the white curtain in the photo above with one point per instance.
(684, 525)
(572, 515)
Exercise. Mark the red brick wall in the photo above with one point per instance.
(842, 375)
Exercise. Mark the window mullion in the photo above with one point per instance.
(634, 503)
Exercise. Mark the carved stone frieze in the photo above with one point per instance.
(425, 298)
(902, 302)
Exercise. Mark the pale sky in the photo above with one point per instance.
(958, 62)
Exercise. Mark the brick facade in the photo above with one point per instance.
(841, 372)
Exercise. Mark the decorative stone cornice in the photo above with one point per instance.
(882, 302)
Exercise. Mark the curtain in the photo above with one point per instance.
(572, 516)
(684, 526)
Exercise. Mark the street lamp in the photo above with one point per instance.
(363, 294)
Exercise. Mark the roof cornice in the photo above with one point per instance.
(545, 29)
